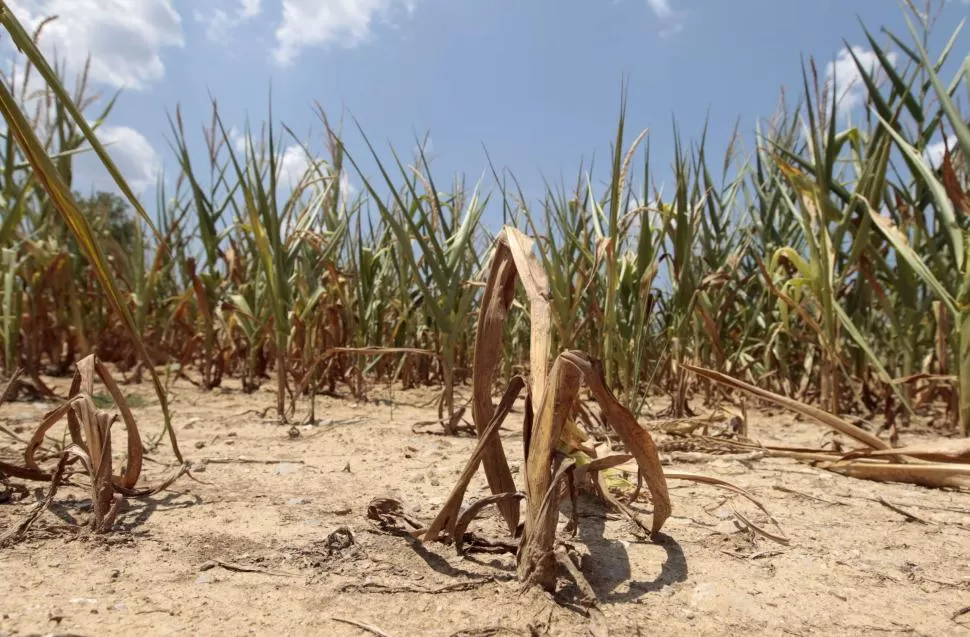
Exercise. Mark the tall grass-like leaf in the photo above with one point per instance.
(28, 46)
(418, 220)
(10, 310)
(956, 301)
(49, 177)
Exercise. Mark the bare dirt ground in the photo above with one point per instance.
(274, 539)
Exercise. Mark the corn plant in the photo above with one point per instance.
(53, 182)
(780, 264)
(443, 231)
(949, 197)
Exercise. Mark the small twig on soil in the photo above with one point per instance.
(241, 568)
(906, 514)
(808, 495)
(374, 587)
(949, 584)
(694, 457)
(915, 505)
(766, 554)
(371, 629)
(487, 631)
(252, 410)
(962, 611)
(249, 461)
(753, 556)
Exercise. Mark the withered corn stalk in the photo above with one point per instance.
(89, 428)
(550, 432)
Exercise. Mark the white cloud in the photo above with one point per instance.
(934, 152)
(131, 152)
(314, 23)
(844, 75)
(125, 38)
(292, 165)
(671, 20)
(237, 139)
(221, 20)
(347, 188)
(250, 8)
(661, 8)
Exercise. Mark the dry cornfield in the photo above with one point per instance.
(790, 326)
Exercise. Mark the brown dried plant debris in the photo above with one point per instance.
(941, 464)
(89, 428)
(551, 435)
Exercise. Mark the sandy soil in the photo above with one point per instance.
(292, 509)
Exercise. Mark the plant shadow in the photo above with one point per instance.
(608, 565)
(132, 513)
(135, 512)
(439, 564)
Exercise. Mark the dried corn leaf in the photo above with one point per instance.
(809, 411)
(104, 501)
(555, 408)
(469, 514)
(499, 292)
(549, 425)
(936, 475)
(601, 464)
(536, 286)
(956, 450)
(536, 560)
(780, 537)
(488, 439)
(90, 439)
(51, 418)
(134, 465)
(636, 439)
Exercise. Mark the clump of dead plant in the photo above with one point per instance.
(559, 456)
(89, 430)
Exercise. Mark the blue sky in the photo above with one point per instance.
(536, 81)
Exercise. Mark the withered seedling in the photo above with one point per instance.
(553, 441)
(89, 428)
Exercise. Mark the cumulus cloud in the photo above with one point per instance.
(250, 8)
(125, 38)
(661, 8)
(237, 139)
(131, 151)
(843, 76)
(220, 19)
(671, 21)
(934, 152)
(292, 165)
(314, 23)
